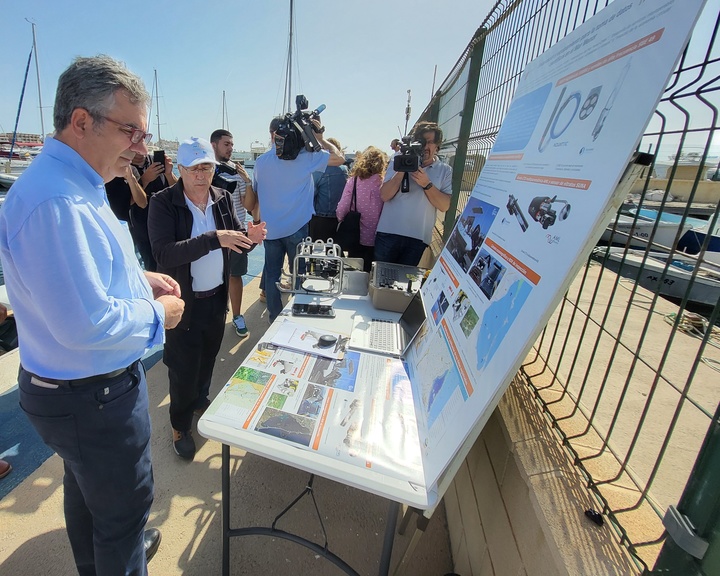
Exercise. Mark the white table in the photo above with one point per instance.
(396, 490)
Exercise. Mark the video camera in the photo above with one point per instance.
(296, 132)
(411, 152)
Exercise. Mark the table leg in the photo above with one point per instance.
(384, 568)
(225, 510)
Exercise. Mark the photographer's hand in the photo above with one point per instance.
(337, 158)
(420, 177)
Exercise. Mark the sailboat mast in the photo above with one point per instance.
(37, 72)
(288, 75)
(157, 106)
(223, 111)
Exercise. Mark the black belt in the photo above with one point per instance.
(208, 293)
(84, 381)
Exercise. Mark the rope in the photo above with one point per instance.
(697, 326)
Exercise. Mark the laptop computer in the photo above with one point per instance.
(387, 337)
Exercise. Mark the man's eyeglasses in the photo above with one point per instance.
(200, 168)
(136, 135)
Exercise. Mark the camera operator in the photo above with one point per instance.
(283, 191)
(406, 224)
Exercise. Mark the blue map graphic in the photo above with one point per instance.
(497, 320)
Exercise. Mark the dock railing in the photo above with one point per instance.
(628, 380)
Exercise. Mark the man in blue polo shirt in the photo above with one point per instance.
(284, 192)
(86, 313)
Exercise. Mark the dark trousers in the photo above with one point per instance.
(322, 227)
(145, 250)
(367, 253)
(190, 356)
(102, 433)
(398, 249)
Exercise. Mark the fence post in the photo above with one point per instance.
(465, 128)
(700, 503)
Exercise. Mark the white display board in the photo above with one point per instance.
(541, 201)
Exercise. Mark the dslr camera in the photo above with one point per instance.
(408, 159)
(296, 132)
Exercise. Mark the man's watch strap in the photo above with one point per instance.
(429, 185)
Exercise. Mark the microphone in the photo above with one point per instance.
(317, 111)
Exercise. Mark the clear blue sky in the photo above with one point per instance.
(358, 58)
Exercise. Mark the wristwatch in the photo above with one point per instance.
(429, 185)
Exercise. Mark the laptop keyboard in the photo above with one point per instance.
(382, 335)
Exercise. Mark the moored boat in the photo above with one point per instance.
(669, 275)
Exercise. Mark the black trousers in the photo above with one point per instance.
(190, 357)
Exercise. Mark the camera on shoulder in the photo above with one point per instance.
(408, 159)
(296, 131)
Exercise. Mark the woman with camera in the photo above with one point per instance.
(364, 183)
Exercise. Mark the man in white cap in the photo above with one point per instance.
(193, 228)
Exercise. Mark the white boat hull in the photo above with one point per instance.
(672, 279)
(639, 232)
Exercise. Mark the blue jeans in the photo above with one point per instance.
(275, 252)
(102, 433)
(398, 249)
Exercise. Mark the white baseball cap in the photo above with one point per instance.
(195, 151)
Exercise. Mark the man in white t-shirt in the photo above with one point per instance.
(233, 178)
(407, 220)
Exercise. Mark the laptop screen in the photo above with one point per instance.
(414, 316)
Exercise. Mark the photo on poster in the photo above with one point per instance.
(291, 427)
(340, 374)
(277, 401)
(439, 307)
(311, 404)
(288, 363)
(287, 386)
(470, 231)
(246, 386)
(547, 211)
(487, 272)
(469, 321)
(464, 313)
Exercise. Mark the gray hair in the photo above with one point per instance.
(91, 83)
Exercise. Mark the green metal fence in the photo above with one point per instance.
(628, 379)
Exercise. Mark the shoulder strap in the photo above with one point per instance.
(354, 196)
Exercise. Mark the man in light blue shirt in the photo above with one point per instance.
(86, 313)
(284, 190)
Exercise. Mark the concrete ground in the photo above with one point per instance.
(187, 506)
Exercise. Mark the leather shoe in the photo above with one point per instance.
(4, 468)
(151, 542)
